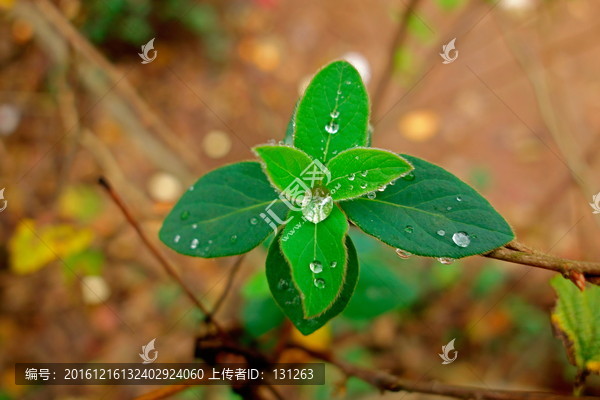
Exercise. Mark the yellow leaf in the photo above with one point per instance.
(6, 4)
(319, 340)
(31, 247)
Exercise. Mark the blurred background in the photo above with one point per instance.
(516, 115)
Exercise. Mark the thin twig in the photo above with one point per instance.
(397, 41)
(147, 117)
(157, 254)
(518, 253)
(387, 382)
(234, 269)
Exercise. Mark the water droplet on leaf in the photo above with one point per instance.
(177, 238)
(332, 128)
(403, 254)
(461, 239)
(446, 260)
(316, 267)
(320, 283)
(371, 195)
(408, 229)
(194, 244)
(334, 114)
(317, 205)
(254, 220)
(351, 177)
(441, 232)
(409, 177)
(282, 284)
(333, 264)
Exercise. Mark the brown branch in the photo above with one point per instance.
(397, 41)
(387, 382)
(170, 269)
(147, 117)
(518, 253)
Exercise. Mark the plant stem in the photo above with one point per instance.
(387, 382)
(170, 269)
(518, 253)
(397, 41)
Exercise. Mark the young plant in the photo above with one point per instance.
(306, 191)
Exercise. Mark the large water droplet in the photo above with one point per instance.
(334, 114)
(316, 267)
(320, 283)
(409, 177)
(371, 195)
(461, 239)
(254, 220)
(332, 128)
(184, 215)
(441, 232)
(351, 177)
(408, 229)
(194, 243)
(177, 238)
(446, 260)
(403, 254)
(317, 205)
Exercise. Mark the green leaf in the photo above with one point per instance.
(428, 213)
(378, 291)
(220, 215)
(291, 126)
(287, 296)
(259, 313)
(577, 322)
(335, 101)
(356, 172)
(283, 165)
(317, 257)
(449, 5)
